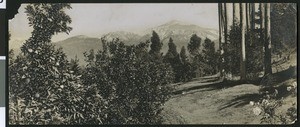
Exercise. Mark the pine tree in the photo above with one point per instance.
(186, 73)
(194, 45)
(156, 45)
(210, 56)
(283, 26)
(194, 49)
(183, 56)
(172, 47)
(173, 58)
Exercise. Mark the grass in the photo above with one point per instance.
(214, 101)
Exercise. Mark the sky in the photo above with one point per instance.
(96, 19)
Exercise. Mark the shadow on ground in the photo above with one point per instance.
(216, 86)
(242, 100)
(278, 78)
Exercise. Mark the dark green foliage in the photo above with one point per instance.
(233, 53)
(155, 46)
(46, 20)
(183, 55)
(11, 55)
(194, 45)
(133, 86)
(43, 90)
(47, 86)
(186, 69)
(210, 57)
(254, 53)
(172, 57)
(172, 52)
(194, 49)
(283, 26)
(74, 66)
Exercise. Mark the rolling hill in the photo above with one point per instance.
(77, 45)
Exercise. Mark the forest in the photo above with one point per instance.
(131, 84)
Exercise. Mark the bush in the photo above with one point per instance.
(45, 86)
(134, 86)
(267, 107)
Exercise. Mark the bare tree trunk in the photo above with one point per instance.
(225, 24)
(267, 44)
(220, 37)
(247, 16)
(252, 16)
(220, 23)
(233, 14)
(225, 15)
(262, 19)
(250, 22)
(243, 48)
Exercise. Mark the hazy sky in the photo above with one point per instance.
(96, 19)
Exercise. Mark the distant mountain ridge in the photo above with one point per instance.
(128, 37)
(179, 31)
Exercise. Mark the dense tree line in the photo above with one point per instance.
(254, 36)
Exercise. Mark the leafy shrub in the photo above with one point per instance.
(47, 86)
(42, 87)
(134, 86)
(268, 106)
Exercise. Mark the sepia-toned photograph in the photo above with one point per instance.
(152, 63)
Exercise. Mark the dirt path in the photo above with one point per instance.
(208, 100)
(211, 104)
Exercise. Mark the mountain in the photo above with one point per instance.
(126, 37)
(181, 33)
(73, 46)
(77, 45)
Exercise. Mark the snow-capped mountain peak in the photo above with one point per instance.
(175, 22)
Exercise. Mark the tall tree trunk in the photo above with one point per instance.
(233, 14)
(267, 44)
(262, 20)
(220, 37)
(250, 22)
(243, 48)
(236, 16)
(225, 24)
(252, 16)
(220, 23)
(225, 15)
(247, 16)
